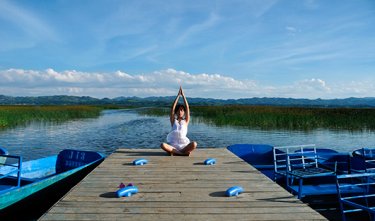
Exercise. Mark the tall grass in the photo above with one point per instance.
(292, 118)
(15, 115)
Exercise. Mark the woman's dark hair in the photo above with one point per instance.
(178, 108)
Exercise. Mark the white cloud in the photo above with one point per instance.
(261, 7)
(308, 88)
(18, 82)
(27, 21)
(197, 28)
(314, 84)
(311, 4)
(291, 29)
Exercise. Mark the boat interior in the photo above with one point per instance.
(14, 173)
(323, 178)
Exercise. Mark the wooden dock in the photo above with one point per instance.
(178, 188)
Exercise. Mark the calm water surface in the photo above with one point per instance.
(125, 128)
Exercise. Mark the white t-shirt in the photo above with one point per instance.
(177, 137)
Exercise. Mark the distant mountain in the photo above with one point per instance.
(48, 100)
(167, 100)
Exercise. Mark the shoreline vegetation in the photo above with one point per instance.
(22, 114)
(256, 117)
(275, 117)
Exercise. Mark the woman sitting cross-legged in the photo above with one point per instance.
(177, 142)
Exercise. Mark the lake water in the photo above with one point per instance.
(125, 128)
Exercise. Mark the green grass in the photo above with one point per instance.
(16, 115)
(291, 118)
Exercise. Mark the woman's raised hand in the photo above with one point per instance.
(181, 92)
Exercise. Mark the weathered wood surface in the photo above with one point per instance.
(178, 188)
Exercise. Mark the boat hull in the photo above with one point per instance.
(31, 201)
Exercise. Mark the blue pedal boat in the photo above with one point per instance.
(274, 163)
(24, 182)
(320, 190)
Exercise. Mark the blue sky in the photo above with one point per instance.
(220, 49)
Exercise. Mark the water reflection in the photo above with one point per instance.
(125, 128)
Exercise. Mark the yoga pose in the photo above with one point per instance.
(177, 142)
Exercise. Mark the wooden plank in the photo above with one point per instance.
(150, 204)
(179, 210)
(173, 187)
(176, 216)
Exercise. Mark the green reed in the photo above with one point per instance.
(16, 115)
(292, 118)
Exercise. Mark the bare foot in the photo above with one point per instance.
(169, 152)
(179, 153)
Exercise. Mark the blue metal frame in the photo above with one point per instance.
(299, 163)
(279, 160)
(351, 188)
(304, 165)
(280, 157)
(18, 165)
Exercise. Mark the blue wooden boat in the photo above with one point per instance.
(28, 182)
(262, 157)
(320, 192)
(259, 156)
